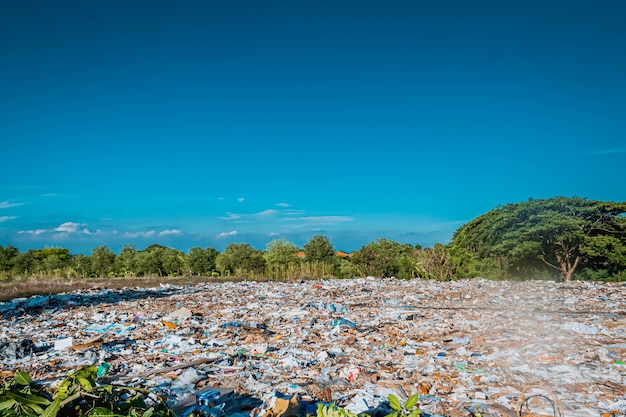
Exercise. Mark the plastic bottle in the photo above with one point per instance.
(103, 369)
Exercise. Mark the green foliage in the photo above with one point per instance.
(331, 410)
(160, 260)
(386, 258)
(126, 262)
(8, 257)
(102, 261)
(281, 260)
(240, 258)
(542, 238)
(78, 395)
(319, 249)
(409, 409)
(201, 261)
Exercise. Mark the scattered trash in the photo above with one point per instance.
(262, 349)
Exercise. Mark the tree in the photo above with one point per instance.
(319, 249)
(201, 261)
(126, 262)
(81, 264)
(8, 257)
(102, 260)
(436, 263)
(386, 258)
(279, 256)
(173, 261)
(538, 236)
(51, 259)
(240, 259)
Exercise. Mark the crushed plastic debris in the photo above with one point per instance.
(467, 347)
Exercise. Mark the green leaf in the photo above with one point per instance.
(27, 399)
(22, 378)
(149, 412)
(85, 383)
(415, 413)
(394, 402)
(101, 412)
(411, 402)
(7, 404)
(52, 409)
(37, 410)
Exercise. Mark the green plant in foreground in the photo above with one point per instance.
(331, 410)
(409, 409)
(78, 396)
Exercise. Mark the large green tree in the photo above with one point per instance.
(319, 249)
(201, 261)
(102, 261)
(279, 254)
(386, 258)
(535, 237)
(240, 258)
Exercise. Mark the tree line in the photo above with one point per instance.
(559, 238)
(280, 260)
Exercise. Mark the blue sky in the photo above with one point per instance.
(201, 123)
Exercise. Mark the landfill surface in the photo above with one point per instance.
(470, 347)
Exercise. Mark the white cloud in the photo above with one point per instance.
(33, 232)
(226, 234)
(139, 234)
(272, 234)
(170, 232)
(267, 213)
(608, 151)
(283, 205)
(231, 216)
(7, 204)
(7, 218)
(63, 229)
(241, 199)
(68, 227)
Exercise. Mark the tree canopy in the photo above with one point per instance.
(544, 237)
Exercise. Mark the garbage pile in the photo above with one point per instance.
(467, 348)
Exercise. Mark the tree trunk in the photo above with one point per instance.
(568, 268)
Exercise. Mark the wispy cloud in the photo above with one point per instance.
(170, 232)
(617, 149)
(33, 232)
(283, 205)
(63, 229)
(7, 218)
(149, 233)
(322, 219)
(8, 204)
(267, 213)
(231, 216)
(241, 199)
(226, 234)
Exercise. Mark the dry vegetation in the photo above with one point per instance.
(26, 287)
